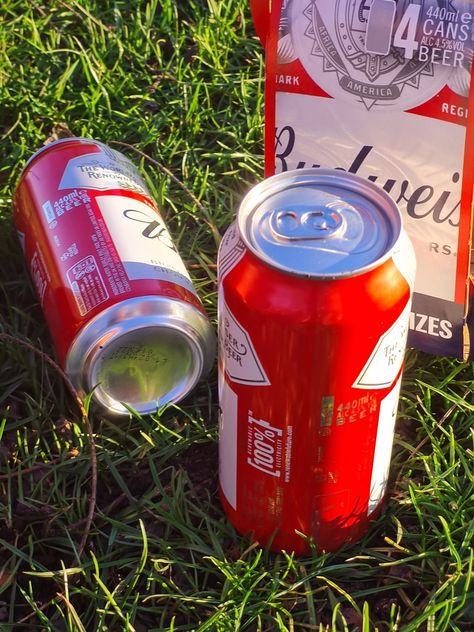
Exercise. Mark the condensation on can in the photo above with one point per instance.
(315, 283)
(124, 316)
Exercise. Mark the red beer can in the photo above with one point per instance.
(125, 319)
(315, 283)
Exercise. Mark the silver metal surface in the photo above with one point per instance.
(320, 223)
(144, 352)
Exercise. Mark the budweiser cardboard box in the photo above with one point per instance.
(383, 89)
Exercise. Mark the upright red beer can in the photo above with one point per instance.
(315, 285)
(124, 316)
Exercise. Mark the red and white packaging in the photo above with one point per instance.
(384, 89)
(125, 319)
(314, 298)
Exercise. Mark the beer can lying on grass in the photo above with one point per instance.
(315, 283)
(125, 319)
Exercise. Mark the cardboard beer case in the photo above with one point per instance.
(384, 89)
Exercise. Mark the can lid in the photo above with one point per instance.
(321, 223)
(142, 353)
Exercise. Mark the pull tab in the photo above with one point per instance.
(319, 223)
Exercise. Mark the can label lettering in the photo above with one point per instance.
(87, 284)
(264, 446)
(105, 170)
(237, 352)
(142, 241)
(39, 274)
(386, 360)
(48, 212)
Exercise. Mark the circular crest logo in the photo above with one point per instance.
(378, 54)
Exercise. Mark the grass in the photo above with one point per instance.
(182, 83)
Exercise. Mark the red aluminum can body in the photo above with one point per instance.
(310, 358)
(121, 308)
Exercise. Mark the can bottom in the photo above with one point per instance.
(286, 535)
(141, 354)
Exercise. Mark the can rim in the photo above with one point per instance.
(59, 141)
(298, 177)
(132, 315)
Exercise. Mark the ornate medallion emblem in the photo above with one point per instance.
(377, 53)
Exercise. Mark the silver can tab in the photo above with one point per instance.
(318, 223)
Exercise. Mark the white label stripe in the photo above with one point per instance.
(142, 241)
(383, 447)
(228, 440)
(230, 260)
(236, 350)
(385, 361)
